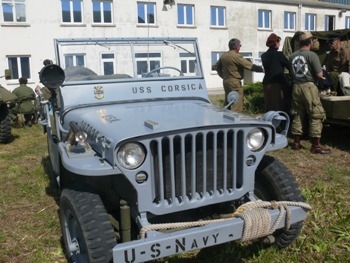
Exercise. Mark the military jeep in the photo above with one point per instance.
(6, 99)
(147, 166)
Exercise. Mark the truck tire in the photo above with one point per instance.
(88, 235)
(5, 125)
(273, 181)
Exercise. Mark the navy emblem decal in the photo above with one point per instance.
(99, 93)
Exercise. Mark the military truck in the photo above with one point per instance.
(336, 104)
(6, 98)
(147, 166)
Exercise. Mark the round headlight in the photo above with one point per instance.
(255, 139)
(131, 155)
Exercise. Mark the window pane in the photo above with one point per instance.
(184, 66)
(108, 68)
(20, 13)
(213, 16)
(141, 13)
(180, 15)
(192, 65)
(107, 12)
(77, 11)
(13, 66)
(25, 67)
(141, 67)
(189, 18)
(80, 60)
(65, 11)
(96, 12)
(150, 13)
(8, 12)
(221, 14)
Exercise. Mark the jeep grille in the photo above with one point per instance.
(197, 165)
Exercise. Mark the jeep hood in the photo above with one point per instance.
(118, 122)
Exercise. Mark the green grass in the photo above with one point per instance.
(30, 229)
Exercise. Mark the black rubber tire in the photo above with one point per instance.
(5, 125)
(84, 220)
(273, 181)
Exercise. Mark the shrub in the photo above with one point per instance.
(253, 98)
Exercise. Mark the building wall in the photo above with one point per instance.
(35, 37)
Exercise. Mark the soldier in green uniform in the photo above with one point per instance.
(337, 61)
(230, 67)
(306, 69)
(24, 102)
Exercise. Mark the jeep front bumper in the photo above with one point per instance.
(157, 245)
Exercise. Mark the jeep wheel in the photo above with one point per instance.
(273, 181)
(5, 125)
(88, 235)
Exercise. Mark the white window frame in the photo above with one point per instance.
(265, 23)
(145, 57)
(71, 12)
(347, 22)
(186, 9)
(102, 11)
(108, 60)
(309, 18)
(18, 10)
(146, 14)
(327, 19)
(188, 59)
(74, 59)
(289, 21)
(217, 12)
(215, 56)
(20, 71)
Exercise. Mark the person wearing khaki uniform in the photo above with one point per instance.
(25, 96)
(337, 61)
(306, 68)
(230, 67)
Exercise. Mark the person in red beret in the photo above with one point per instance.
(275, 83)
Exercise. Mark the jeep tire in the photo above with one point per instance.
(273, 181)
(88, 235)
(5, 125)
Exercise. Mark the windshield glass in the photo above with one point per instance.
(120, 59)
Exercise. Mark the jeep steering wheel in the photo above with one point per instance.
(160, 68)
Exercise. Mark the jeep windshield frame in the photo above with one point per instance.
(108, 60)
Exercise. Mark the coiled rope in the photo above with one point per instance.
(257, 219)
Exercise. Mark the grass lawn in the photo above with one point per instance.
(30, 229)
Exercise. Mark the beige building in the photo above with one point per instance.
(28, 27)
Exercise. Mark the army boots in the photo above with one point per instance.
(296, 144)
(317, 148)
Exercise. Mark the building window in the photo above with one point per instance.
(264, 19)
(73, 60)
(146, 13)
(102, 11)
(310, 22)
(217, 16)
(19, 66)
(188, 64)
(108, 64)
(347, 22)
(214, 58)
(145, 62)
(72, 11)
(185, 15)
(329, 23)
(289, 20)
(14, 10)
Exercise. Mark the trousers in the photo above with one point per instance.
(306, 101)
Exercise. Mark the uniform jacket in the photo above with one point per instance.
(25, 97)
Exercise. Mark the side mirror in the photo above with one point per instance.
(7, 74)
(232, 98)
